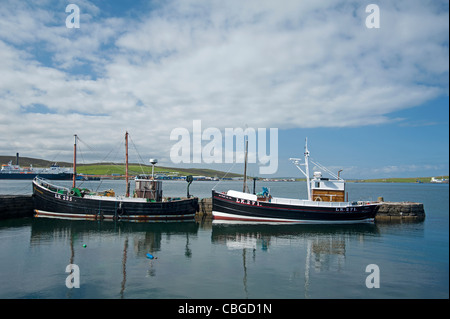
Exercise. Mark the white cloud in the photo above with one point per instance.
(230, 64)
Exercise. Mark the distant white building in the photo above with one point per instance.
(439, 180)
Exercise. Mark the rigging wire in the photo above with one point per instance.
(320, 166)
(112, 162)
(25, 190)
(55, 157)
(139, 155)
(220, 179)
(105, 158)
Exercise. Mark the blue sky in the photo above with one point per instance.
(373, 102)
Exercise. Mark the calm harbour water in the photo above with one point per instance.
(207, 260)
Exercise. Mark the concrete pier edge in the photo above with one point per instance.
(16, 206)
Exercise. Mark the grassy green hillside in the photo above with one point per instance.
(27, 161)
(114, 168)
(133, 169)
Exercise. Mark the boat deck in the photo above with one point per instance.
(295, 202)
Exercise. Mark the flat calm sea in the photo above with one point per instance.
(207, 260)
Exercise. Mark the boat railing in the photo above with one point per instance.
(52, 187)
(288, 201)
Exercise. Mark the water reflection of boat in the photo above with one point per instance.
(60, 229)
(327, 239)
(325, 244)
(142, 237)
(251, 233)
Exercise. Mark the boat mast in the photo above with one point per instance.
(245, 167)
(307, 169)
(74, 161)
(126, 165)
(305, 172)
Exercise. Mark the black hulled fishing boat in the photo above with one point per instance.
(325, 204)
(147, 202)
